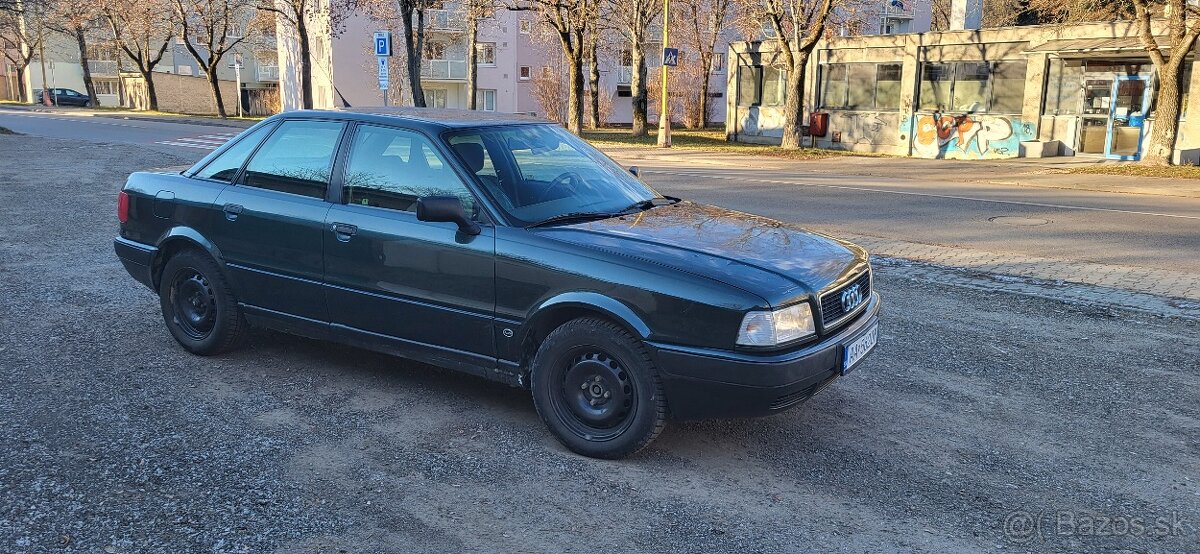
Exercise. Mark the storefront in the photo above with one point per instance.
(997, 93)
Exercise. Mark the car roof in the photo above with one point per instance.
(430, 118)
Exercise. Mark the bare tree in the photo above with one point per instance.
(475, 11)
(1183, 26)
(143, 30)
(797, 25)
(298, 15)
(633, 19)
(414, 45)
(210, 30)
(570, 21)
(77, 20)
(592, 45)
(22, 34)
(704, 23)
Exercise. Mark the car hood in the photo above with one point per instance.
(770, 258)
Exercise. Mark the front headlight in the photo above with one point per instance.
(777, 327)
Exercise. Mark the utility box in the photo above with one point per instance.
(1040, 149)
(818, 124)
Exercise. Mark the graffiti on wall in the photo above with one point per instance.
(969, 136)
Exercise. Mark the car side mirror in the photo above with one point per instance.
(635, 171)
(446, 208)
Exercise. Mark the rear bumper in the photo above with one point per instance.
(703, 383)
(137, 258)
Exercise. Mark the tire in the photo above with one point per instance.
(199, 306)
(597, 389)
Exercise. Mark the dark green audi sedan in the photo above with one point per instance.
(506, 248)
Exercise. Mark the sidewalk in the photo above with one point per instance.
(185, 119)
(1025, 172)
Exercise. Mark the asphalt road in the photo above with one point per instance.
(1077, 225)
(986, 421)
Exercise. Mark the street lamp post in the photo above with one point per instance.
(664, 112)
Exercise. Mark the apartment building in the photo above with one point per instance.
(514, 51)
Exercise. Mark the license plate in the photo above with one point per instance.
(857, 350)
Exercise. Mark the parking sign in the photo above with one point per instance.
(383, 43)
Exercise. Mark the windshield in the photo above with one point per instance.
(538, 172)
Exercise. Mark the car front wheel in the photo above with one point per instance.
(597, 389)
(198, 304)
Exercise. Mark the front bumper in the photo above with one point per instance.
(704, 383)
(137, 258)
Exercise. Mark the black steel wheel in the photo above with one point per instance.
(198, 304)
(597, 389)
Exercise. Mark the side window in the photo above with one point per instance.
(226, 166)
(392, 168)
(297, 158)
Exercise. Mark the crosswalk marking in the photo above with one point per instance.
(202, 142)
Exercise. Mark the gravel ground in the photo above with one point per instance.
(979, 410)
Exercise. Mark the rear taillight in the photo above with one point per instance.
(122, 207)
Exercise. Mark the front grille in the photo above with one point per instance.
(831, 302)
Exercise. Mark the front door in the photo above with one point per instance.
(270, 224)
(1126, 117)
(423, 289)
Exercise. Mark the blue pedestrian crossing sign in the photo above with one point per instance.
(670, 57)
(383, 43)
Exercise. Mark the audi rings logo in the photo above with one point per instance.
(851, 298)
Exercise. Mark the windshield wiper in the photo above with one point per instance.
(573, 216)
(644, 205)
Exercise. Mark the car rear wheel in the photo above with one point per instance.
(198, 305)
(596, 388)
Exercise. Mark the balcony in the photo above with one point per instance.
(103, 68)
(266, 73)
(444, 70)
(898, 9)
(452, 21)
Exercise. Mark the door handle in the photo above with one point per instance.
(232, 211)
(343, 231)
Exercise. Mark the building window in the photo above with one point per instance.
(435, 50)
(718, 62)
(524, 73)
(749, 85)
(106, 86)
(526, 26)
(935, 86)
(435, 98)
(1008, 87)
(774, 82)
(987, 87)
(835, 86)
(485, 53)
(861, 86)
(487, 100)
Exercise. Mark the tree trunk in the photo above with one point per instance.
(1161, 148)
(306, 87)
(575, 91)
(211, 71)
(793, 107)
(22, 77)
(702, 105)
(472, 57)
(593, 84)
(88, 85)
(637, 83)
(413, 43)
(151, 93)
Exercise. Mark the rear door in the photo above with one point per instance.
(423, 288)
(270, 224)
